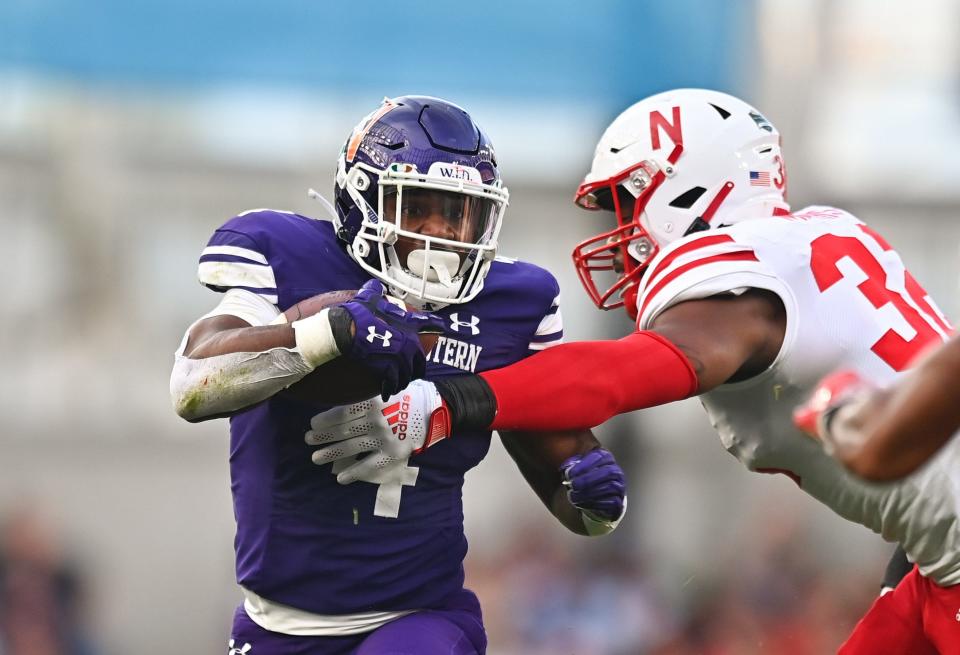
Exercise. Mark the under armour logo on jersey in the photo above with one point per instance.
(473, 324)
(385, 337)
(242, 650)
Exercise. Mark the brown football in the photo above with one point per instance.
(341, 380)
(314, 304)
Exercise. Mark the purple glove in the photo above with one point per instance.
(596, 484)
(386, 339)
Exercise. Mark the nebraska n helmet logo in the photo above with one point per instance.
(473, 324)
(372, 334)
(672, 128)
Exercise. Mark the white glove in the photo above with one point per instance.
(390, 431)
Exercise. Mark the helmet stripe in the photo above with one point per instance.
(361, 131)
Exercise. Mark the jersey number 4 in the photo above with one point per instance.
(390, 482)
(900, 344)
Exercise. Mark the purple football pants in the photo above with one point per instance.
(429, 632)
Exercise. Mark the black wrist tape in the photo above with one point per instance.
(470, 400)
(340, 323)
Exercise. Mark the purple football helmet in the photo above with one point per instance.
(419, 200)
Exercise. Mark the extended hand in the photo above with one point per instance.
(390, 430)
(833, 391)
(385, 337)
(596, 485)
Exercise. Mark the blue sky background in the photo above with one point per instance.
(605, 53)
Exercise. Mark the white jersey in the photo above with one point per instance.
(850, 303)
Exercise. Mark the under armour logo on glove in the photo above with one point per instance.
(385, 337)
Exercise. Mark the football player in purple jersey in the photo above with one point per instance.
(365, 555)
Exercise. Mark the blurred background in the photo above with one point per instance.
(129, 131)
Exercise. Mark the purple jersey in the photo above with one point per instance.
(302, 539)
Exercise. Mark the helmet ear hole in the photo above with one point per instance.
(361, 247)
(360, 180)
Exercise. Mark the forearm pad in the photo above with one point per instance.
(580, 385)
(214, 386)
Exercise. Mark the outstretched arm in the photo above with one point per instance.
(885, 434)
(691, 348)
(599, 491)
(697, 345)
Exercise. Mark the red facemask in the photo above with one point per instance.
(629, 241)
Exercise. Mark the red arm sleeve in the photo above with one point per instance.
(582, 384)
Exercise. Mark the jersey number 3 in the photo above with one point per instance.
(899, 345)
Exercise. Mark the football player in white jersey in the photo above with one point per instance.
(746, 304)
(887, 433)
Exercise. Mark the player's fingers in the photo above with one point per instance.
(371, 289)
(393, 300)
(365, 469)
(392, 309)
(806, 419)
(389, 384)
(432, 324)
(419, 365)
(343, 449)
(333, 418)
(608, 509)
(592, 459)
(595, 477)
(357, 428)
(404, 376)
(611, 490)
(598, 496)
(363, 409)
(321, 434)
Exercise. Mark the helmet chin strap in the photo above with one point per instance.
(630, 301)
(327, 205)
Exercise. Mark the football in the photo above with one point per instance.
(314, 304)
(339, 381)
